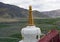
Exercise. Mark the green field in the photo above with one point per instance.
(10, 31)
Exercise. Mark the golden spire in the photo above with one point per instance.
(31, 22)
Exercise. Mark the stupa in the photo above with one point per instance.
(30, 33)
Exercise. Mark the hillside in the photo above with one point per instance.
(53, 13)
(12, 11)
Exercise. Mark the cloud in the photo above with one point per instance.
(40, 5)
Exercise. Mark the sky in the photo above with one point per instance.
(40, 5)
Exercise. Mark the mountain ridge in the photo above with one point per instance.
(12, 11)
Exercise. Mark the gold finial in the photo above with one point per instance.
(31, 22)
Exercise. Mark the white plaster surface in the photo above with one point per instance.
(30, 33)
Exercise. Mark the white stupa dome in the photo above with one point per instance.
(31, 30)
(30, 34)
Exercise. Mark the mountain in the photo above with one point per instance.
(12, 11)
(53, 13)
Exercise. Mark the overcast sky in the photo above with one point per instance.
(40, 5)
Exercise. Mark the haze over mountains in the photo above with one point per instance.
(11, 11)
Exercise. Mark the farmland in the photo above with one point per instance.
(10, 31)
